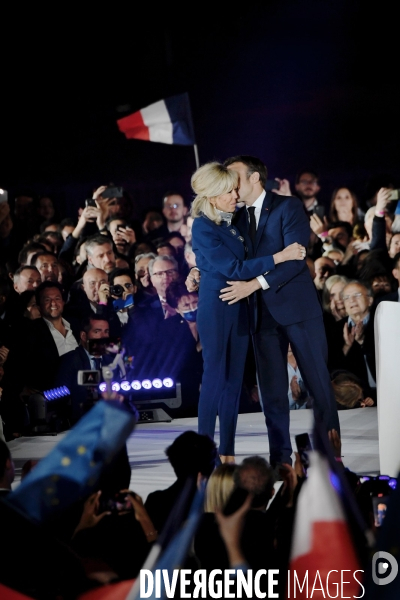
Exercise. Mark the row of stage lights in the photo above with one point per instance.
(136, 385)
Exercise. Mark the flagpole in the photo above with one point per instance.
(196, 155)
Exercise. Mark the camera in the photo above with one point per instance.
(117, 290)
(88, 378)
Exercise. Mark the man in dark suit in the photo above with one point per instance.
(285, 307)
(81, 359)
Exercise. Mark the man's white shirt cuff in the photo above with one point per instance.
(261, 279)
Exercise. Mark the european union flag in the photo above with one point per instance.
(71, 471)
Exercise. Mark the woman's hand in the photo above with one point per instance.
(90, 516)
(193, 280)
(367, 402)
(318, 225)
(382, 198)
(293, 252)
(239, 290)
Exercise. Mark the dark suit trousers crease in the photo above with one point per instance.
(309, 347)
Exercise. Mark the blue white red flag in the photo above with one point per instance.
(167, 121)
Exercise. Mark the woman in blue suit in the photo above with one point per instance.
(223, 328)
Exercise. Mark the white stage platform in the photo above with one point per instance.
(151, 469)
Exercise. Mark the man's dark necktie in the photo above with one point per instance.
(97, 362)
(253, 224)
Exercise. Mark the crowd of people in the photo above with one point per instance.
(109, 273)
(105, 536)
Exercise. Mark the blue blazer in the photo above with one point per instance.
(221, 256)
(292, 296)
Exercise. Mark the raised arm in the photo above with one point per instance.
(209, 242)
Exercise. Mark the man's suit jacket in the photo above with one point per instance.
(41, 355)
(67, 374)
(291, 297)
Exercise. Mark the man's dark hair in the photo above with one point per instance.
(67, 222)
(175, 291)
(192, 453)
(174, 234)
(23, 255)
(35, 257)
(111, 219)
(172, 193)
(372, 269)
(166, 245)
(396, 261)
(52, 221)
(343, 225)
(86, 324)
(97, 240)
(46, 285)
(253, 164)
(262, 485)
(118, 272)
(25, 268)
(5, 455)
(300, 173)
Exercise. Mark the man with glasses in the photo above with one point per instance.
(358, 333)
(143, 333)
(174, 211)
(307, 187)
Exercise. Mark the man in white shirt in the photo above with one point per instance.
(51, 307)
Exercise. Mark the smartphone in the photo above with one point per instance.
(319, 211)
(113, 192)
(394, 195)
(235, 501)
(304, 445)
(121, 227)
(88, 378)
(271, 184)
(116, 504)
(90, 202)
(3, 195)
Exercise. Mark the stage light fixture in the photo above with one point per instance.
(146, 384)
(125, 386)
(115, 386)
(167, 382)
(157, 383)
(136, 385)
(103, 386)
(55, 393)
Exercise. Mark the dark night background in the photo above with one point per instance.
(299, 84)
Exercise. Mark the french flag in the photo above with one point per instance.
(167, 121)
(322, 547)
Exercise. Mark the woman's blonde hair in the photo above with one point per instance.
(326, 292)
(347, 391)
(219, 487)
(209, 181)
